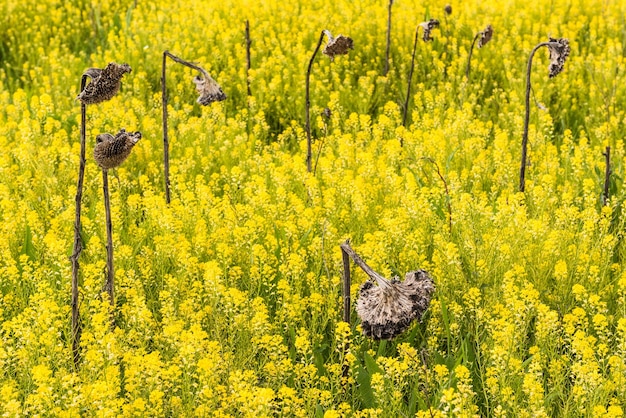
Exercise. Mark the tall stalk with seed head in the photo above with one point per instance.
(482, 38)
(427, 27)
(335, 46)
(209, 92)
(104, 84)
(559, 51)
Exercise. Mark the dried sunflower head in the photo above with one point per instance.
(559, 51)
(388, 307)
(104, 84)
(340, 45)
(208, 89)
(485, 36)
(428, 27)
(111, 151)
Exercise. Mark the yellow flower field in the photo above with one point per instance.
(228, 300)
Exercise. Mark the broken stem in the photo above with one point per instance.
(110, 280)
(607, 175)
(408, 89)
(78, 244)
(308, 104)
(388, 39)
(469, 58)
(367, 269)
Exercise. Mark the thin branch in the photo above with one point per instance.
(607, 175)
(308, 104)
(248, 61)
(522, 174)
(110, 281)
(388, 39)
(78, 244)
(408, 89)
(445, 186)
(469, 58)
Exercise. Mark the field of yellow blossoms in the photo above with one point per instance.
(228, 300)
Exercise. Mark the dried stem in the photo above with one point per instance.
(78, 244)
(308, 104)
(110, 281)
(469, 58)
(522, 174)
(363, 265)
(607, 175)
(388, 39)
(248, 61)
(408, 89)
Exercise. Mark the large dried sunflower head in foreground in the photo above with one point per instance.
(111, 151)
(104, 84)
(559, 51)
(428, 27)
(389, 307)
(485, 36)
(340, 45)
(208, 89)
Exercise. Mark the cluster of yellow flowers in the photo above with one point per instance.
(228, 300)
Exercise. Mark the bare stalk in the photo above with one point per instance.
(346, 285)
(110, 281)
(408, 89)
(248, 61)
(308, 104)
(78, 243)
(469, 58)
(607, 175)
(388, 39)
(522, 174)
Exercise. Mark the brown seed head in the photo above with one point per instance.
(485, 36)
(428, 27)
(104, 84)
(448, 9)
(208, 89)
(559, 51)
(388, 309)
(111, 151)
(340, 45)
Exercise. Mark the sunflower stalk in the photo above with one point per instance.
(209, 91)
(559, 51)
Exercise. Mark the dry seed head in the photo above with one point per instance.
(340, 45)
(111, 151)
(485, 36)
(104, 83)
(448, 9)
(428, 27)
(208, 89)
(559, 51)
(388, 309)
